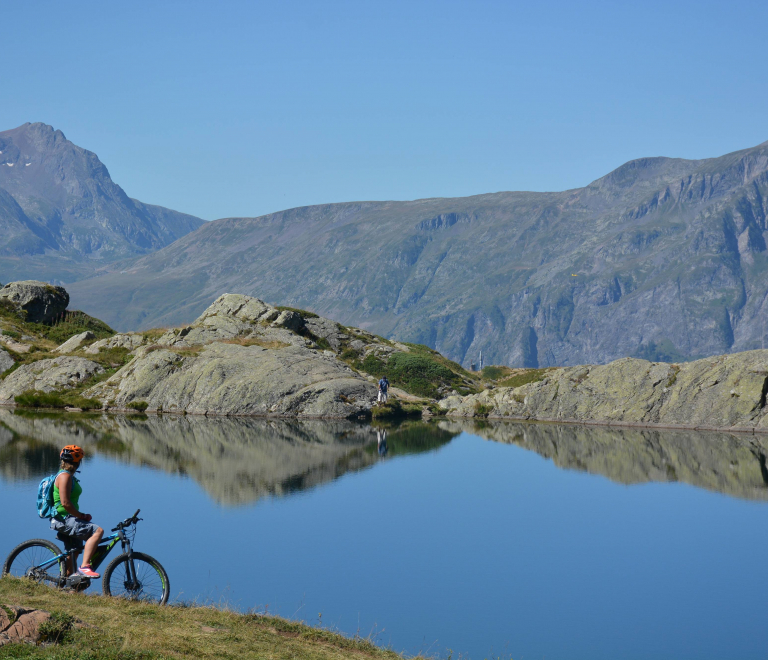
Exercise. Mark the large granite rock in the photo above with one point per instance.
(6, 361)
(725, 391)
(47, 376)
(73, 343)
(40, 301)
(233, 379)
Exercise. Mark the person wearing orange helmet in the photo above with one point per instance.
(69, 520)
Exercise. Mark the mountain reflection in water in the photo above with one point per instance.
(236, 460)
(730, 463)
(240, 460)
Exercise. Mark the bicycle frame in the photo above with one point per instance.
(100, 554)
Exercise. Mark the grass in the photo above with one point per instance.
(482, 409)
(528, 376)
(141, 406)
(36, 399)
(124, 630)
(396, 410)
(256, 341)
(420, 372)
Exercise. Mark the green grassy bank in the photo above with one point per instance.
(123, 630)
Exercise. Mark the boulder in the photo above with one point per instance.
(22, 626)
(289, 320)
(47, 376)
(6, 361)
(73, 343)
(41, 302)
(231, 379)
(130, 341)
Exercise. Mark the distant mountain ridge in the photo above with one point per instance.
(58, 200)
(662, 258)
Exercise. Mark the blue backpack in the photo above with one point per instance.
(45, 506)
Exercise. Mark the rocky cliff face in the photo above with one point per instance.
(663, 259)
(727, 391)
(59, 200)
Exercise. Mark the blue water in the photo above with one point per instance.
(479, 548)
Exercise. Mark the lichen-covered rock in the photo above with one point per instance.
(73, 343)
(230, 379)
(289, 320)
(47, 376)
(130, 341)
(6, 361)
(41, 302)
(725, 391)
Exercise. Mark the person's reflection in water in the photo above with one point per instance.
(382, 442)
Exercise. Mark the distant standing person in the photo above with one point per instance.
(383, 389)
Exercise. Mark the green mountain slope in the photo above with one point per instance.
(662, 258)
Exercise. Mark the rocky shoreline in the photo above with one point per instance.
(246, 358)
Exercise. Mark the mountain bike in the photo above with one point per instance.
(131, 575)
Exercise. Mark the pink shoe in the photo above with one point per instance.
(88, 572)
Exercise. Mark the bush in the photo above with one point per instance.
(141, 406)
(12, 334)
(482, 410)
(493, 372)
(418, 374)
(54, 630)
(73, 323)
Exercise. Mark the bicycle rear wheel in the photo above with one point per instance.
(25, 557)
(151, 584)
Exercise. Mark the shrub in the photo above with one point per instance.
(54, 630)
(73, 323)
(395, 409)
(482, 409)
(12, 334)
(141, 406)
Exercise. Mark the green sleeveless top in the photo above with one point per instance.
(74, 497)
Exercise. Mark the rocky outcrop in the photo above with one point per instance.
(21, 625)
(40, 302)
(6, 361)
(73, 343)
(47, 376)
(240, 357)
(730, 463)
(230, 379)
(726, 391)
(130, 341)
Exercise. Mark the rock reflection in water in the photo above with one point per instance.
(236, 460)
(730, 463)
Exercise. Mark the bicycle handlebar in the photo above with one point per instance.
(128, 521)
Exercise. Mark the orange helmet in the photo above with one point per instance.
(72, 454)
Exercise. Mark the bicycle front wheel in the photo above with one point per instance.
(26, 558)
(151, 582)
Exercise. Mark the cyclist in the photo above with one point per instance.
(70, 521)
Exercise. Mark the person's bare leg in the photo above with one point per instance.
(90, 546)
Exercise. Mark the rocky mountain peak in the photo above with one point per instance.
(70, 205)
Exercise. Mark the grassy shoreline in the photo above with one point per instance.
(123, 630)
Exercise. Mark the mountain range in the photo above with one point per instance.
(662, 258)
(62, 215)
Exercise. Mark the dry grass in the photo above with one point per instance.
(121, 630)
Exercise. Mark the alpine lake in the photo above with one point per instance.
(445, 538)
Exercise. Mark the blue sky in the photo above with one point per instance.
(243, 108)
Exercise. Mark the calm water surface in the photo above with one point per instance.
(512, 540)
